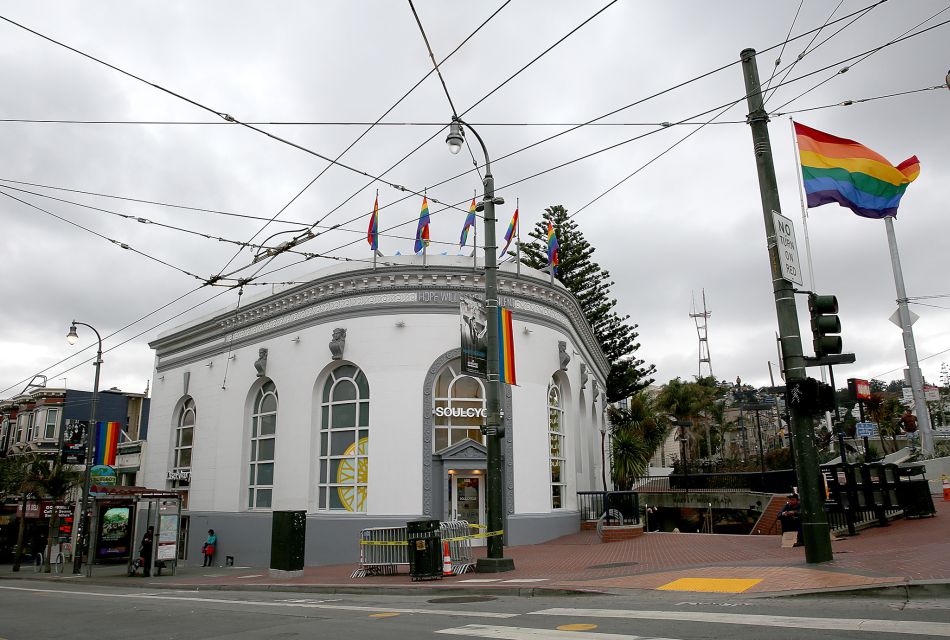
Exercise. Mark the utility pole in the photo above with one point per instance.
(816, 533)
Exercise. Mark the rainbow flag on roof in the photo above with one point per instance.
(422, 230)
(506, 347)
(372, 233)
(510, 232)
(552, 248)
(469, 222)
(107, 442)
(840, 170)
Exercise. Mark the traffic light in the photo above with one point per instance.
(824, 321)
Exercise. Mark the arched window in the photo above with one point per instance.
(263, 434)
(184, 436)
(556, 445)
(459, 409)
(344, 441)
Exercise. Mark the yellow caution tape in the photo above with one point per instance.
(402, 543)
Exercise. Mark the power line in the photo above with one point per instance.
(778, 60)
(332, 123)
(221, 114)
(134, 322)
(871, 52)
(122, 245)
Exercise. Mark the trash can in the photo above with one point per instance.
(425, 559)
(288, 543)
(913, 492)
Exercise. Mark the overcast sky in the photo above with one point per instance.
(688, 222)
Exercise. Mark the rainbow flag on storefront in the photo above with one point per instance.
(107, 442)
(506, 348)
(840, 170)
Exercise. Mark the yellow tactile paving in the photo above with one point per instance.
(711, 585)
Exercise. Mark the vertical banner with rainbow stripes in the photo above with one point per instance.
(107, 442)
(506, 348)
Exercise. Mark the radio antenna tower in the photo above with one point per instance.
(701, 318)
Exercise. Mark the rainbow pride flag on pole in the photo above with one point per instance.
(510, 232)
(552, 248)
(840, 170)
(422, 230)
(107, 442)
(372, 233)
(506, 348)
(469, 223)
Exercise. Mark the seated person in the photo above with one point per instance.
(791, 517)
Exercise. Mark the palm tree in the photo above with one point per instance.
(38, 478)
(884, 410)
(636, 434)
(685, 401)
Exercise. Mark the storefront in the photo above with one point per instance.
(346, 397)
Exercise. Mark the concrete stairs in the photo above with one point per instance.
(768, 523)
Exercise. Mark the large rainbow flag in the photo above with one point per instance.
(840, 170)
(506, 347)
(107, 442)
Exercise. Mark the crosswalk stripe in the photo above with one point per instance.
(530, 633)
(909, 627)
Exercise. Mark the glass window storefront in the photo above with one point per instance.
(459, 408)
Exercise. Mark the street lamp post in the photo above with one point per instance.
(82, 535)
(496, 561)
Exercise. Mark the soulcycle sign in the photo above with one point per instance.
(460, 412)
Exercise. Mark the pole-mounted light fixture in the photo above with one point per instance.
(456, 137)
(72, 337)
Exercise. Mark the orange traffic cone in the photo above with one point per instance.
(946, 488)
(446, 560)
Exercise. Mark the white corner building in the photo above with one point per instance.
(343, 397)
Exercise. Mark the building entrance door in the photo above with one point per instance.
(468, 501)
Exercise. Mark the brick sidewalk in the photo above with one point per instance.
(904, 551)
(907, 550)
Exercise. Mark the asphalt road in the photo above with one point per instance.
(37, 611)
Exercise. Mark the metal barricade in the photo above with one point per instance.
(458, 535)
(382, 550)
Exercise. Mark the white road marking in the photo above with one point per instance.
(528, 633)
(482, 580)
(253, 575)
(909, 627)
(268, 603)
(527, 580)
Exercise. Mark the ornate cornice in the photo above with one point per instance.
(403, 288)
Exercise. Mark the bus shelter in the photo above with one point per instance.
(120, 517)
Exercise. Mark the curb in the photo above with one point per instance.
(524, 592)
(899, 590)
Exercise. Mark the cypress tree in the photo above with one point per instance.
(591, 284)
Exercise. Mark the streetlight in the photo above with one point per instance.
(496, 561)
(81, 533)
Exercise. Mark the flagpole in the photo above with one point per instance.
(811, 267)
(910, 349)
(518, 237)
(376, 234)
(475, 241)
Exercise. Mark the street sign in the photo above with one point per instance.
(896, 318)
(931, 394)
(866, 429)
(787, 247)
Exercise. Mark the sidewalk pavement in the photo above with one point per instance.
(906, 553)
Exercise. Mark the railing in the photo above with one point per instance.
(768, 482)
(621, 507)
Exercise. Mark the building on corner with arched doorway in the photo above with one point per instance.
(344, 397)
